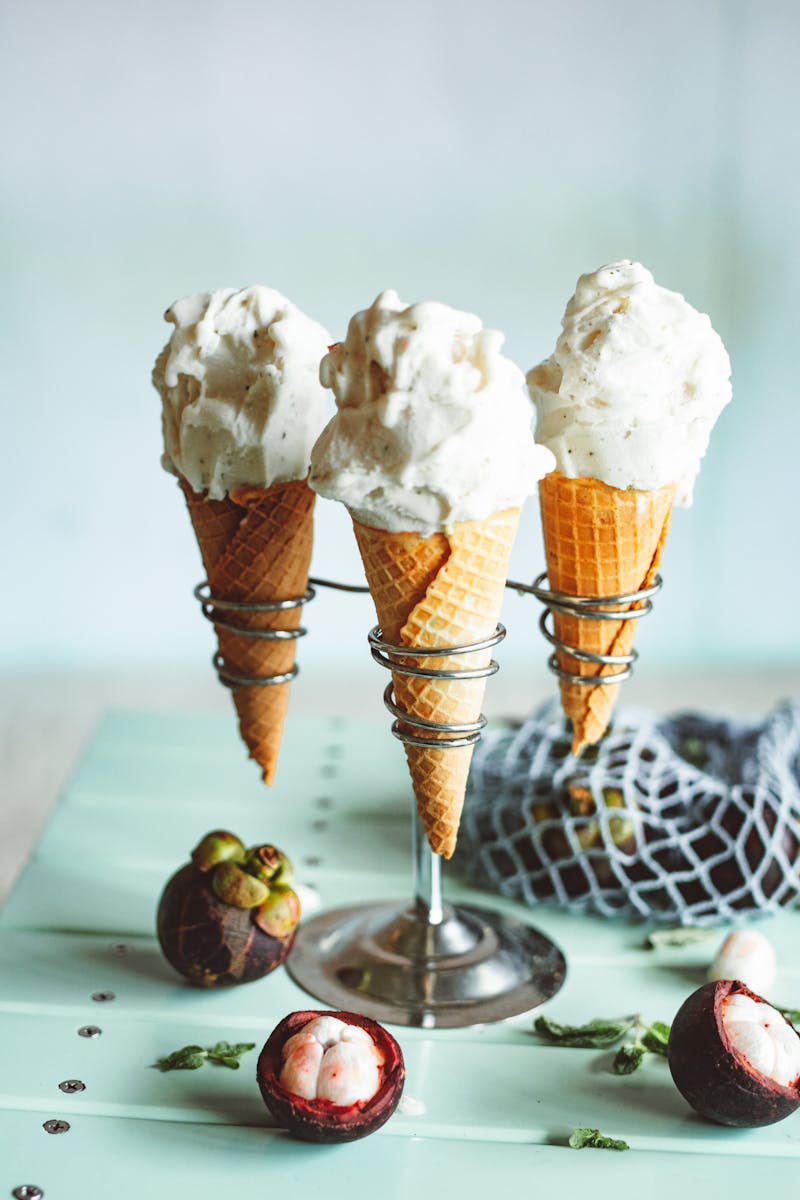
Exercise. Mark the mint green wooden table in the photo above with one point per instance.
(488, 1109)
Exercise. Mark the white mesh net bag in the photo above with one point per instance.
(687, 819)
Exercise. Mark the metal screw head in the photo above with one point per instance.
(55, 1126)
(103, 996)
(90, 1031)
(27, 1191)
(72, 1085)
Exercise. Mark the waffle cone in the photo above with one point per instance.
(256, 546)
(439, 591)
(599, 541)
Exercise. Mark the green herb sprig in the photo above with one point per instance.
(594, 1035)
(581, 1139)
(603, 1032)
(190, 1058)
(653, 1038)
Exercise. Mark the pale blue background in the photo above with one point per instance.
(481, 152)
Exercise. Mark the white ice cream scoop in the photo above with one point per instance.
(636, 381)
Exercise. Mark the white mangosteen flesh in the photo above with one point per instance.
(746, 954)
(331, 1060)
(763, 1038)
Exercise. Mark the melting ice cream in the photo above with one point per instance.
(433, 424)
(242, 402)
(633, 388)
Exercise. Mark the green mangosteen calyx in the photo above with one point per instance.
(234, 885)
(280, 912)
(216, 847)
(269, 864)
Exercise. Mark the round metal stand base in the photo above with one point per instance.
(391, 963)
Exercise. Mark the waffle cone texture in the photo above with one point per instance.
(434, 592)
(256, 546)
(599, 541)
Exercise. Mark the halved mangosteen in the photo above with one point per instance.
(330, 1076)
(734, 1058)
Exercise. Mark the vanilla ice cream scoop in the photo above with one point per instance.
(239, 382)
(633, 388)
(433, 424)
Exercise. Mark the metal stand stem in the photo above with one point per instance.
(426, 963)
(427, 877)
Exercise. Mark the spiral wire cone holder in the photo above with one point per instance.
(223, 613)
(432, 732)
(626, 606)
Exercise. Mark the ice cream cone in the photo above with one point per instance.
(599, 541)
(256, 546)
(439, 591)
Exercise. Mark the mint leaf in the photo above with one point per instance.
(580, 1139)
(594, 1035)
(242, 1047)
(188, 1058)
(656, 1038)
(791, 1014)
(226, 1055)
(628, 1058)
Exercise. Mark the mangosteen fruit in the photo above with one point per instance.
(330, 1076)
(746, 955)
(592, 834)
(229, 915)
(734, 1057)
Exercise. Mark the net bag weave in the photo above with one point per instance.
(688, 819)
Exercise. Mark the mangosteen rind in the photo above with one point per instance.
(710, 1073)
(211, 943)
(321, 1120)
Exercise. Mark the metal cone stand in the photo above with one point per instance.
(426, 963)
